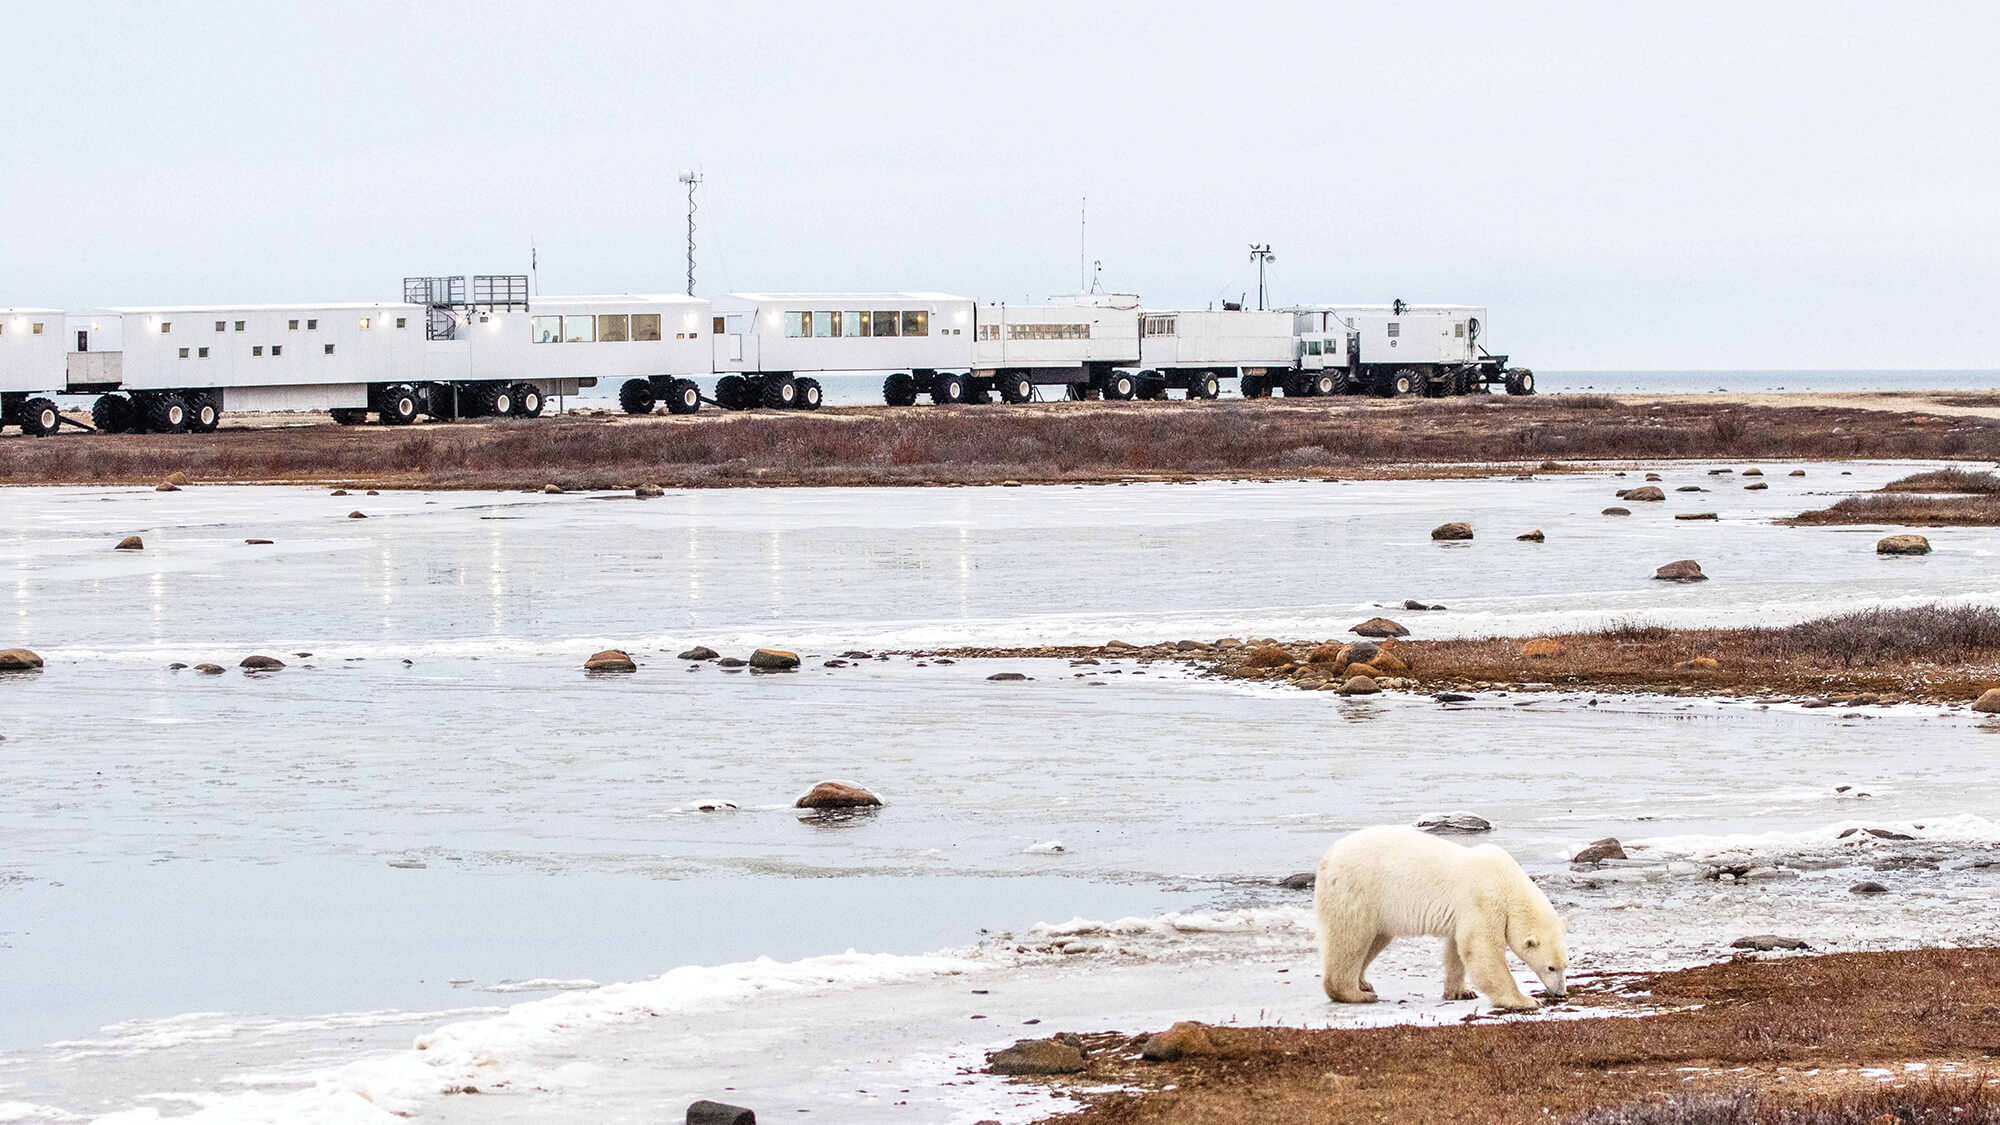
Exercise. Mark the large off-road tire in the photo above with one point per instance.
(683, 396)
(732, 392)
(636, 396)
(1520, 381)
(947, 388)
(399, 405)
(1402, 381)
(1016, 388)
(164, 413)
(900, 389)
(1254, 386)
(780, 392)
(348, 416)
(204, 414)
(1204, 384)
(496, 400)
(527, 400)
(810, 395)
(1120, 386)
(39, 417)
(112, 414)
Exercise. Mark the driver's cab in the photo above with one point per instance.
(1321, 350)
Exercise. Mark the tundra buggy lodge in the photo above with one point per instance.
(453, 350)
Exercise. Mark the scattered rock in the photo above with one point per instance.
(834, 662)
(1452, 697)
(837, 795)
(649, 492)
(1753, 472)
(1379, 627)
(18, 660)
(699, 652)
(774, 659)
(1686, 570)
(1387, 660)
(1303, 881)
(1119, 644)
(1616, 512)
(209, 669)
(1542, 648)
(176, 477)
(176, 666)
(1037, 1056)
(1690, 488)
(338, 492)
(1185, 1039)
(730, 662)
(1764, 943)
(1988, 702)
(1006, 676)
(1903, 545)
(1356, 652)
(357, 515)
(1046, 847)
(552, 490)
(1456, 824)
(1420, 607)
(1758, 487)
(1644, 492)
(1363, 668)
(258, 542)
(706, 1112)
(166, 486)
(1654, 476)
(1696, 516)
(1326, 654)
(1796, 473)
(130, 543)
(1451, 531)
(610, 660)
(261, 663)
(1868, 888)
(1360, 685)
(1699, 664)
(1534, 536)
(372, 492)
(1599, 851)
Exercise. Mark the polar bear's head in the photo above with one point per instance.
(1535, 934)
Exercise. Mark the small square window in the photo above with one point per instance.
(222, 326)
(257, 350)
(36, 330)
(201, 353)
(277, 349)
(1395, 330)
(239, 326)
(364, 324)
(402, 322)
(294, 326)
(329, 349)
(184, 353)
(312, 325)
(166, 326)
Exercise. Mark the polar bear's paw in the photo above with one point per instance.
(1462, 994)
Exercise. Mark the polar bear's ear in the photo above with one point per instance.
(1529, 944)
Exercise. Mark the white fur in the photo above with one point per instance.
(1380, 884)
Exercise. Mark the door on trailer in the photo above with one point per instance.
(727, 332)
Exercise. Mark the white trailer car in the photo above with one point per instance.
(1080, 343)
(1195, 349)
(762, 340)
(653, 341)
(1402, 349)
(33, 351)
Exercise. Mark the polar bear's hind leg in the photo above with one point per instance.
(1375, 949)
(1340, 968)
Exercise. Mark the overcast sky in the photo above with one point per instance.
(1626, 186)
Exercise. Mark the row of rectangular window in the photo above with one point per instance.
(1161, 325)
(851, 323)
(34, 329)
(1048, 332)
(256, 351)
(312, 325)
(608, 328)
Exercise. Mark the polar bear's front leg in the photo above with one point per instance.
(1485, 957)
(1454, 974)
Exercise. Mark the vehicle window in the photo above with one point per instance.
(579, 329)
(796, 325)
(822, 323)
(916, 322)
(613, 328)
(545, 329)
(645, 326)
(884, 323)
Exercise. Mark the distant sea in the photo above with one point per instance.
(866, 389)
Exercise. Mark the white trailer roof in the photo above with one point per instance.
(322, 306)
(619, 299)
(792, 298)
(26, 310)
(1389, 309)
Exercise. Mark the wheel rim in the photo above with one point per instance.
(531, 402)
(787, 392)
(207, 415)
(48, 419)
(405, 407)
(1124, 387)
(176, 415)
(1527, 382)
(690, 396)
(503, 404)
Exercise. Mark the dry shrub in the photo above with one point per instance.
(1588, 402)
(1932, 634)
(1726, 429)
(1632, 630)
(1963, 481)
(1905, 508)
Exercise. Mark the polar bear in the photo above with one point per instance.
(1380, 884)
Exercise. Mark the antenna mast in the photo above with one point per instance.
(691, 178)
(1260, 253)
(1082, 245)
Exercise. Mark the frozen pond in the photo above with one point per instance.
(248, 895)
